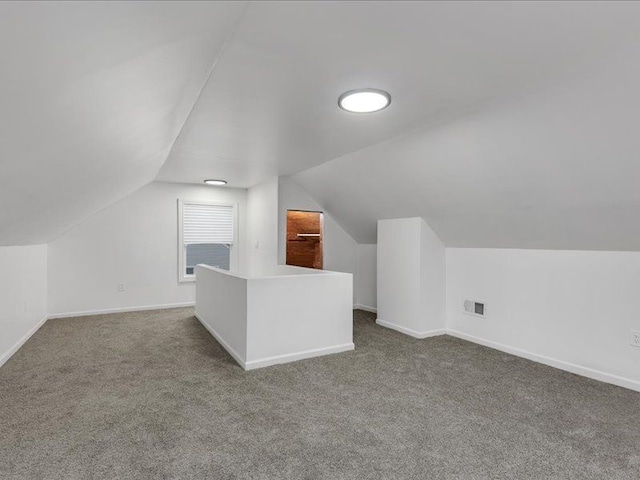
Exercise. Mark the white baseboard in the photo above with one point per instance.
(366, 308)
(279, 359)
(409, 331)
(292, 357)
(236, 356)
(552, 362)
(121, 310)
(16, 346)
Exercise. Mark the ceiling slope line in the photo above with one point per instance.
(204, 84)
(431, 125)
(322, 207)
(446, 118)
(208, 76)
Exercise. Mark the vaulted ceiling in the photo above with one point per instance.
(510, 125)
(557, 169)
(92, 96)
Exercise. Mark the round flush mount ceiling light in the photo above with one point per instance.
(364, 100)
(215, 182)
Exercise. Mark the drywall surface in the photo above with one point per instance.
(432, 279)
(411, 277)
(270, 107)
(571, 309)
(221, 306)
(134, 241)
(262, 227)
(367, 275)
(105, 88)
(297, 316)
(399, 272)
(23, 295)
(280, 315)
(340, 250)
(557, 169)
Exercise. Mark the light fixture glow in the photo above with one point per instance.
(215, 182)
(364, 100)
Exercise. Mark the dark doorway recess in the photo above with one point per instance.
(304, 238)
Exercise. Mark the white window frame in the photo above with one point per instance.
(183, 277)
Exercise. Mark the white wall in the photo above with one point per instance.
(340, 250)
(571, 309)
(366, 286)
(23, 295)
(289, 314)
(432, 279)
(134, 241)
(411, 277)
(262, 227)
(298, 315)
(399, 272)
(221, 306)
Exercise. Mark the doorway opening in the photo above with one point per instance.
(304, 238)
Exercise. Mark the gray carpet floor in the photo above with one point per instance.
(152, 395)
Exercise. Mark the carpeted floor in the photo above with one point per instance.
(152, 395)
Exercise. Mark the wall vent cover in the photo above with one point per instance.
(473, 307)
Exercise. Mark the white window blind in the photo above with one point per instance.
(207, 224)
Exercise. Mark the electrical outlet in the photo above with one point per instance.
(635, 338)
(122, 286)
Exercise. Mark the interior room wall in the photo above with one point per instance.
(432, 279)
(262, 227)
(23, 295)
(367, 277)
(134, 241)
(411, 277)
(571, 309)
(340, 250)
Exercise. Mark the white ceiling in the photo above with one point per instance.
(486, 137)
(557, 169)
(270, 106)
(93, 96)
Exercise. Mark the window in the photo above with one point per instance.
(207, 235)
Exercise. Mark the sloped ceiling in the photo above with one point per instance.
(558, 169)
(92, 97)
(510, 126)
(270, 106)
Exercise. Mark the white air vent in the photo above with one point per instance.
(473, 307)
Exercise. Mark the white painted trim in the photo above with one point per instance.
(121, 310)
(269, 361)
(9, 353)
(292, 357)
(236, 356)
(411, 332)
(366, 308)
(552, 362)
